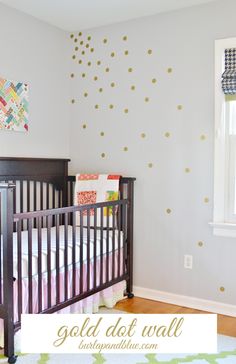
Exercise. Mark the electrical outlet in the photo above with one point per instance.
(188, 261)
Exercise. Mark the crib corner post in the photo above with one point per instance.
(130, 215)
(7, 233)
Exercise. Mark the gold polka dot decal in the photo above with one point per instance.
(169, 70)
(222, 289)
(72, 36)
(132, 87)
(83, 75)
(85, 94)
(130, 69)
(73, 101)
(84, 126)
(75, 40)
(150, 165)
(98, 63)
(146, 99)
(149, 51)
(107, 69)
(87, 45)
(168, 211)
(126, 111)
(89, 37)
(125, 149)
(72, 75)
(89, 64)
(102, 133)
(104, 40)
(80, 61)
(76, 49)
(100, 90)
(81, 43)
(111, 106)
(200, 244)
(206, 200)
(154, 80)
(180, 107)
(167, 134)
(96, 106)
(187, 170)
(113, 84)
(126, 53)
(83, 53)
(125, 37)
(112, 54)
(143, 135)
(203, 137)
(92, 50)
(103, 155)
(73, 57)
(95, 78)
(80, 34)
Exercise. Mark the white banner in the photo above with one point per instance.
(119, 333)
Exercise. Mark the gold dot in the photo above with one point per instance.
(100, 90)
(222, 289)
(96, 106)
(125, 38)
(83, 75)
(98, 63)
(76, 49)
(168, 211)
(104, 40)
(73, 57)
(89, 63)
(87, 45)
(75, 40)
(149, 51)
(112, 54)
(203, 137)
(167, 134)
(103, 155)
(200, 243)
(143, 135)
(72, 75)
(107, 69)
(102, 133)
(72, 36)
(111, 106)
(132, 87)
(125, 149)
(187, 170)
(146, 99)
(85, 94)
(92, 50)
(73, 101)
(126, 111)
(84, 126)
(89, 37)
(95, 78)
(113, 84)
(150, 165)
(80, 61)
(154, 80)
(80, 34)
(206, 199)
(126, 53)
(180, 107)
(83, 53)
(81, 43)
(169, 70)
(130, 69)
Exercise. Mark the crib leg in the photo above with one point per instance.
(12, 359)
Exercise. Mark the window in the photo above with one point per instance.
(224, 219)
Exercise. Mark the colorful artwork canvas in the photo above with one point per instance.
(13, 105)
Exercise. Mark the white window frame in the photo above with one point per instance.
(223, 224)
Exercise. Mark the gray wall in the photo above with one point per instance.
(184, 41)
(35, 53)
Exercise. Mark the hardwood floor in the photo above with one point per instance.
(226, 324)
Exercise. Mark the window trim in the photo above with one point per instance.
(221, 226)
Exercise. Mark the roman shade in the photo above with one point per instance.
(229, 75)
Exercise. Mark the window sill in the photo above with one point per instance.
(224, 229)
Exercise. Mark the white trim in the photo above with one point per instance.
(224, 229)
(186, 301)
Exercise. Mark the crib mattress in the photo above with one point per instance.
(107, 237)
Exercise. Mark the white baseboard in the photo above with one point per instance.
(186, 301)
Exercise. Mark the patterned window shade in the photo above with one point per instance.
(229, 75)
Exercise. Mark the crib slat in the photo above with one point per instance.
(21, 201)
(66, 256)
(35, 200)
(95, 250)
(107, 245)
(41, 195)
(39, 229)
(19, 270)
(49, 283)
(113, 241)
(124, 235)
(57, 260)
(30, 252)
(73, 254)
(81, 253)
(88, 249)
(47, 196)
(101, 247)
(119, 233)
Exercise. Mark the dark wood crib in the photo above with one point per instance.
(36, 199)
